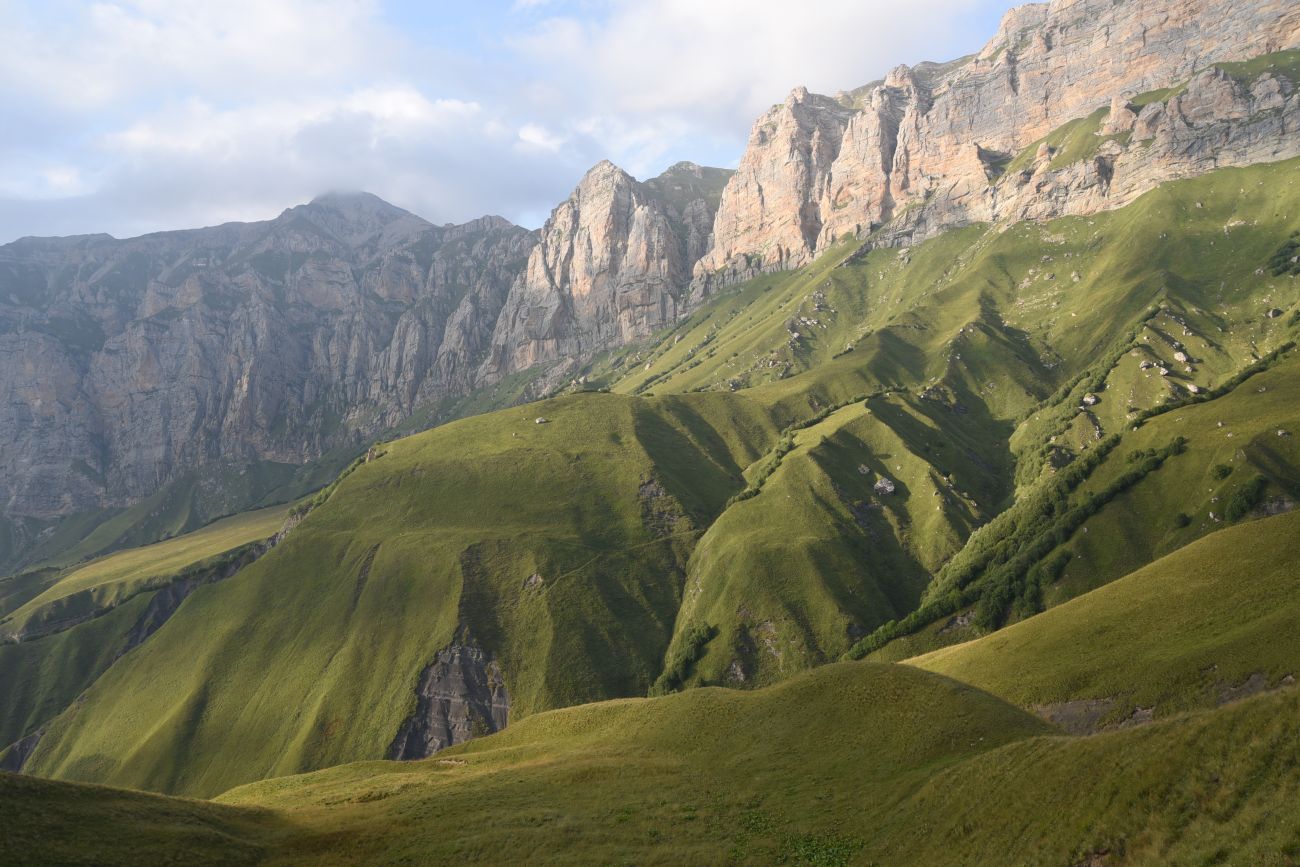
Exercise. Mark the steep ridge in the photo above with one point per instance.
(933, 148)
(610, 268)
(859, 450)
(958, 344)
(604, 545)
(567, 577)
(349, 317)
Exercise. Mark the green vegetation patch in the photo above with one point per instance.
(1187, 631)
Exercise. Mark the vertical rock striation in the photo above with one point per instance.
(126, 365)
(610, 267)
(928, 147)
(461, 695)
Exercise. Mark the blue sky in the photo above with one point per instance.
(128, 116)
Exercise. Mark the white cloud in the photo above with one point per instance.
(533, 135)
(720, 62)
(110, 51)
(134, 115)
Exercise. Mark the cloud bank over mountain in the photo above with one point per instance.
(136, 115)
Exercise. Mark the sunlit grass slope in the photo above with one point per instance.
(310, 656)
(796, 771)
(848, 763)
(638, 542)
(853, 763)
(81, 592)
(79, 621)
(1181, 633)
(1057, 296)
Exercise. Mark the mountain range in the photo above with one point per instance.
(899, 496)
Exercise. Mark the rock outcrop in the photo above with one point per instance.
(610, 267)
(228, 355)
(224, 357)
(770, 215)
(125, 365)
(461, 695)
(929, 148)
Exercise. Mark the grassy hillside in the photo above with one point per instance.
(852, 763)
(44, 822)
(698, 777)
(78, 593)
(848, 763)
(1211, 787)
(77, 622)
(311, 655)
(639, 543)
(1057, 298)
(1205, 624)
(1172, 478)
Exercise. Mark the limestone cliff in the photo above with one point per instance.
(929, 148)
(125, 365)
(610, 267)
(232, 354)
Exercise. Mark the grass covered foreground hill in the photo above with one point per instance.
(1208, 624)
(849, 763)
(885, 452)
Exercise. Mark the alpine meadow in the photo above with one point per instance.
(920, 489)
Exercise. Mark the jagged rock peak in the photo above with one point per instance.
(610, 266)
(602, 171)
(768, 210)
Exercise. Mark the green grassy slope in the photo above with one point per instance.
(79, 621)
(792, 772)
(44, 822)
(1178, 634)
(1052, 297)
(1167, 482)
(978, 328)
(311, 655)
(1217, 787)
(44, 676)
(848, 763)
(789, 577)
(81, 592)
(852, 763)
(651, 571)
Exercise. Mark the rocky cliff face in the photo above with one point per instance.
(124, 364)
(928, 148)
(769, 216)
(611, 267)
(461, 695)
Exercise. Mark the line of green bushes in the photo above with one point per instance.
(682, 658)
(1002, 569)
